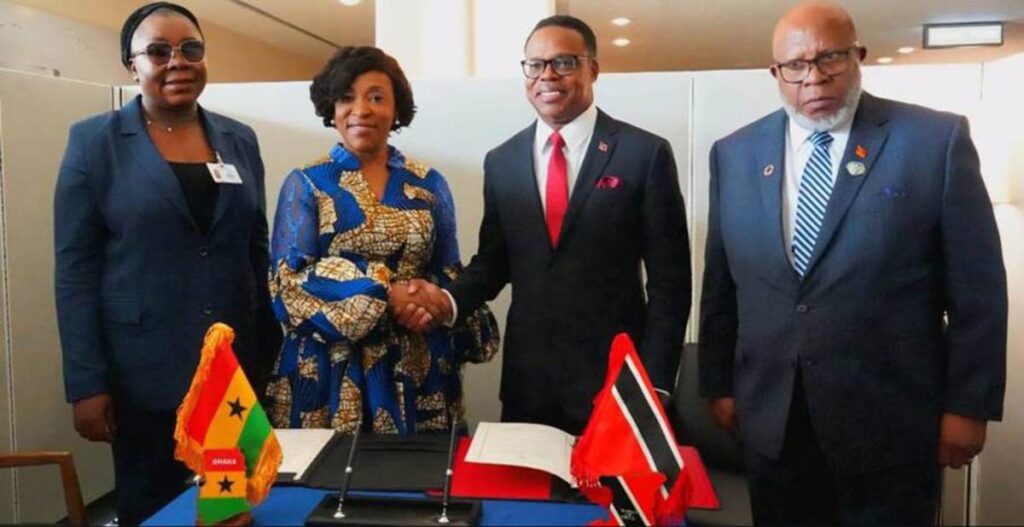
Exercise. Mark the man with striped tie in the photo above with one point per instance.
(854, 309)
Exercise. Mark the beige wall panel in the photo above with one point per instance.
(1000, 484)
(6, 438)
(1000, 487)
(37, 112)
(35, 39)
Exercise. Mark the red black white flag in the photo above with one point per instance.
(627, 458)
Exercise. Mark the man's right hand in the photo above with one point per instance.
(94, 418)
(723, 410)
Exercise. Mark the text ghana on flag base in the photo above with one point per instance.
(221, 411)
(628, 450)
(222, 494)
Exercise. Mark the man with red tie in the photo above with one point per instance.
(573, 205)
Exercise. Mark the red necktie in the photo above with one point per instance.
(557, 192)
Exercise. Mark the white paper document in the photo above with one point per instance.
(299, 448)
(527, 445)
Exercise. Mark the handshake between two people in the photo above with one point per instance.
(419, 305)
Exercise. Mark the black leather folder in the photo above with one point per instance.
(382, 463)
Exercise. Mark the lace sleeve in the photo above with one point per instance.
(330, 297)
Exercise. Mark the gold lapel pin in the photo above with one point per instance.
(768, 170)
(856, 168)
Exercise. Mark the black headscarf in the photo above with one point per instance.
(140, 14)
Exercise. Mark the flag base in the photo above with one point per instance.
(378, 510)
(237, 520)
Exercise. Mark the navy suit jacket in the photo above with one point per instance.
(902, 313)
(568, 303)
(137, 282)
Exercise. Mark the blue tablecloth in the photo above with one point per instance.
(291, 505)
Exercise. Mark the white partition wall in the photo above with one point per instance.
(459, 120)
(35, 113)
(456, 123)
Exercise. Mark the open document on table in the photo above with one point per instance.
(299, 448)
(527, 445)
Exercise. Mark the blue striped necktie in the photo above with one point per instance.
(812, 199)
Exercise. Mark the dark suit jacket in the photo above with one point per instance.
(909, 242)
(137, 282)
(568, 303)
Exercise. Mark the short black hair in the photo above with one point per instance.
(568, 22)
(337, 76)
(135, 19)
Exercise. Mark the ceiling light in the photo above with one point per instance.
(349, 2)
(906, 50)
(884, 60)
(621, 21)
(621, 42)
(968, 34)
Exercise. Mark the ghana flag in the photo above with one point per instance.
(221, 412)
(223, 492)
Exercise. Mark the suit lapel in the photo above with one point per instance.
(154, 168)
(599, 152)
(770, 156)
(220, 141)
(869, 133)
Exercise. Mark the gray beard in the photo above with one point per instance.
(842, 115)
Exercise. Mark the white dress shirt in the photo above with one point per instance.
(577, 134)
(798, 153)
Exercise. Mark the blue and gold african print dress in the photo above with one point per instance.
(335, 250)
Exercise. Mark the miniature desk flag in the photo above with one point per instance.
(221, 412)
(627, 458)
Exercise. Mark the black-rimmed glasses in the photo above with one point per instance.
(160, 53)
(829, 63)
(562, 65)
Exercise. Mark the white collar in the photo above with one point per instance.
(799, 135)
(575, 133)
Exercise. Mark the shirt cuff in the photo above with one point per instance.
(455, 310)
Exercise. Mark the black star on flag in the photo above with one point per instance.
(225, 484)
(237, 408)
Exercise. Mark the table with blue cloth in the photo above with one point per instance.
(288, 505)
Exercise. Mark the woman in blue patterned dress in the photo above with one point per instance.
(350, 228)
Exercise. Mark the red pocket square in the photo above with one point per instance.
(608, 182)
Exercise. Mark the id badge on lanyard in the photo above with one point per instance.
(224, 173)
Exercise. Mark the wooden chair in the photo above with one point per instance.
(68, 476)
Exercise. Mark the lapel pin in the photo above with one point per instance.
(602, 146)
(768, 170)
(856, 168)
(861, 152)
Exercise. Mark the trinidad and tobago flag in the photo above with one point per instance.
(627, 458)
